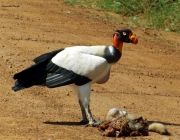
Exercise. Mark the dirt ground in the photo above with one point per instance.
(145, 82)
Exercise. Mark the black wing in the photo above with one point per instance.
(46, 73)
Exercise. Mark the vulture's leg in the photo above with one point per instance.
(83, 112)
(84, 118)
(84, 99)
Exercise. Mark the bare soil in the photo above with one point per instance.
(145, 82)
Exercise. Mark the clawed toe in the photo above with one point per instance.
(93, 124)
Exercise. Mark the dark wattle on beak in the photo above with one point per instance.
(133, 39)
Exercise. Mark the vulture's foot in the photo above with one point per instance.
(93, 124)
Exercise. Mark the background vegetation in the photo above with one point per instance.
(155, 14)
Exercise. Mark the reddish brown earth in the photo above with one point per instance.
(145, 82)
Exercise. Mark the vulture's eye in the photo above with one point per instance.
(124, 33)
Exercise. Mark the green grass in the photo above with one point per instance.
(155, 14)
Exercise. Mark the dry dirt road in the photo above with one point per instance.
(145, 82)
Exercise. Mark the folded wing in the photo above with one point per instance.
(66, 67)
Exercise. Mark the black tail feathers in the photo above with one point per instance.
(17, 86)
(34, 75)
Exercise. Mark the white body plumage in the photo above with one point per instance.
(83, 60)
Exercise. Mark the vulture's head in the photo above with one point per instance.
(123, 36)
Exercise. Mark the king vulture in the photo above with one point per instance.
(78, 65)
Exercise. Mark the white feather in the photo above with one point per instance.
(93, 50)
(83, 61)
(115, 113)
